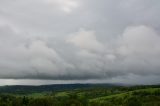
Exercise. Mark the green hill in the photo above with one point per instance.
(143, 97)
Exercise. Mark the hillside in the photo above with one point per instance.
(80, 95)
(143, 97)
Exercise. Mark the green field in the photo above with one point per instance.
(92, 96)
(143, 97)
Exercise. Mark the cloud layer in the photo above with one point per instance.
(80, 40)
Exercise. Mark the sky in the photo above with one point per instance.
(79, 41)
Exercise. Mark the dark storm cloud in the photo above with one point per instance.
(79, 39)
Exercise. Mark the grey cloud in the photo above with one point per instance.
(136, 51)
(79, 39)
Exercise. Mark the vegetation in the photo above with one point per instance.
(83, 96)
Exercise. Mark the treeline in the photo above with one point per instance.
(72, 100)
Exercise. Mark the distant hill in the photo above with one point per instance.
(54, 87)
(61, 87)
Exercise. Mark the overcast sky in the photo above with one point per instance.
(74, 41)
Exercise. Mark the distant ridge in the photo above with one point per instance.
(53, 87)
(61, 87)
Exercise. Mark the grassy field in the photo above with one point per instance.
(149, 91)
(145, 97)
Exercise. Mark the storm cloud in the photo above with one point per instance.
(72, 40)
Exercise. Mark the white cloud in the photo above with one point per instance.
(86, 40)
(139, 47)
(65, 5)
(140, 39)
